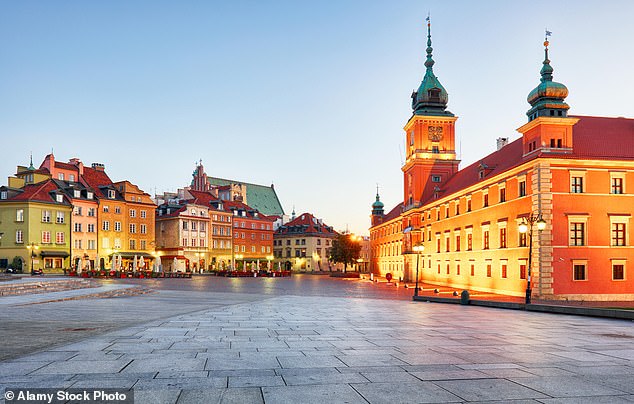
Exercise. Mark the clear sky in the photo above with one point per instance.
(309, 95)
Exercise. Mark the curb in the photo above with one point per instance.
(541, 308)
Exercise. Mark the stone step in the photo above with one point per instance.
(44, 286)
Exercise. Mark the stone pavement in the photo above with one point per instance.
(294, 349)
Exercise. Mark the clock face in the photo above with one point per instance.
(434, 133)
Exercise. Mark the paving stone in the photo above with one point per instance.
(156, 396)
(488, 389)
(181, 383)
(418, 392)
(168, 374)
(325, 378)
(310, 362)
(76, 367)
(170, 364)
(221, 396)
(323, 393)
(255, 381)
(562, 386)
(49, 356)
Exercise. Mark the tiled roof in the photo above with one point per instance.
(231, 205)
(261, 197)
(394, 213)
(95, 179)
(40, 192)
(593, 138)
(202, 197)
(65, 166)
(603, 138)
(306, 223)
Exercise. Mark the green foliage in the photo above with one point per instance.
(17, 263)
(345, 250)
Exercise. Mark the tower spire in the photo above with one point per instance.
(31, 167)
(547, 99)
(431, 97)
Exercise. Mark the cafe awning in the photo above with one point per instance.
(50, 253)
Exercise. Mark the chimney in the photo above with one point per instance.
(77, 163)
(98, 167)
(502, 141)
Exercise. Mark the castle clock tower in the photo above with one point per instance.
(430, 139)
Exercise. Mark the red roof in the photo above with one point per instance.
(309, 223)
(202, 197)
(231, 205)
(593, 138)
(65, 166)
(394, 213)
(95, 179)
(40, 192)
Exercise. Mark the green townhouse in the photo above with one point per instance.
(35, 227)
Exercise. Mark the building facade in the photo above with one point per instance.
(303, 245)
(573, 173)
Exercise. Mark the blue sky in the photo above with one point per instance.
(311, 96)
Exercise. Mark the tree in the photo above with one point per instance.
(345, 249)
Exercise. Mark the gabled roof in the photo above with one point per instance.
(96, 179)
(230, 206)
(261, 197)
(40, 192)
(306, 223)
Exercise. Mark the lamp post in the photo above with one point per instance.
(418, 248)
(526, 226)
(32, 247)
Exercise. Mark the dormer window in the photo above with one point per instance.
(434, 95)
(89, 195)
(59, 198)
(111, 194)
(76, 193)
(3, 195)
(71, 177)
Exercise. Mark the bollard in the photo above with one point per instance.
(464, 297)
(371, 277)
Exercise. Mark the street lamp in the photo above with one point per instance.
(526, 226)
(270, 258)
(32, 247)
(418, 248)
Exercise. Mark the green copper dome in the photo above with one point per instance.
(431, 98)
(547, 99)
(377, 206)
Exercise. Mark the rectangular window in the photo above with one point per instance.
(117, 243)
(618, 272)
(577, 234)
(143, 244)
(59, 237)
(503, 237)
(143, 214)
(77, 211)
(143, 229)
(457, 269)
(132, 228)
(106, 209)
(111, 194)
(91, 228)
(243, 248)
(576, 185)
(469, 204)
(502, 195)
(522, 271)
(469, 242)
(46, 216)
(19, 215)
(117, 210)
(522, 188)
(105, 225)
(485, 202)
(46, 237)
(438, 245)
(105, 242)
(91, 244)
(194, 227)
(618, 234)
(485, 240)
(488, 270)
(447, 243)
(447, 269)
(91, 212)
(60, 217)
(579, 272)
(458, 242)
(77, 227)
(78, 244)
(19, 236)
(117, 226)
(133, 244)
(523, 240)
(185, 225)
(472, 270)
(617, 185)
(504, 269)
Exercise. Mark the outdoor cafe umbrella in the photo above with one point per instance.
(157, 264)
(141, 263)
(134, 264)
(175, 264)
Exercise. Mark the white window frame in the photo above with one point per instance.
(618, 261)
